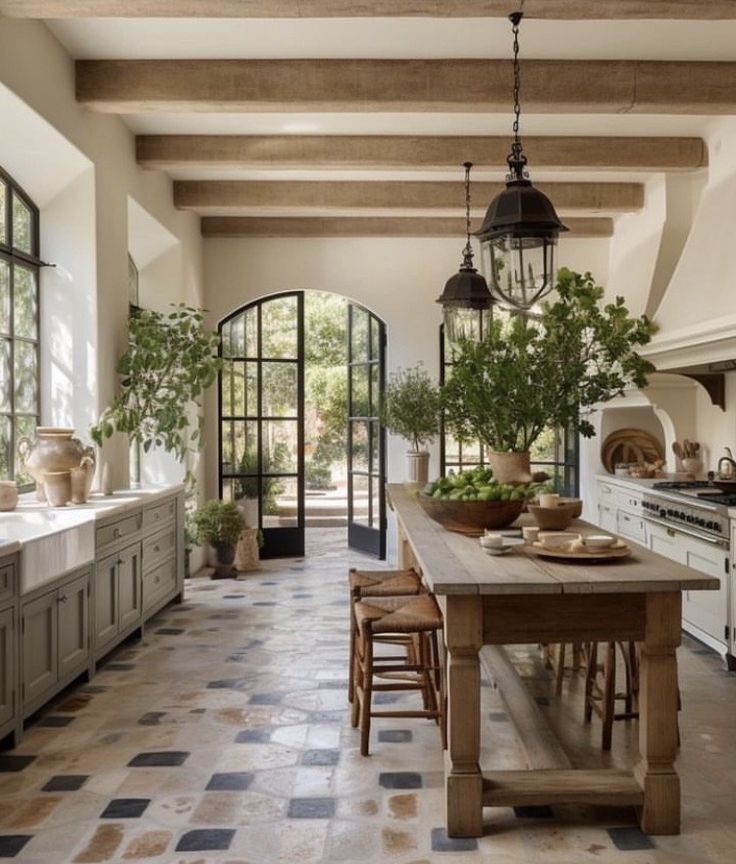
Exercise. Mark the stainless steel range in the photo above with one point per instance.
(696, 508)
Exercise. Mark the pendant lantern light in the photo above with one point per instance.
(519, 233)
(466, 293)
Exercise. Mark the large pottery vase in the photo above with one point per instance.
(510, 467)
(54, 449)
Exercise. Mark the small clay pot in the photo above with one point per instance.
(8, 495)
(58, 487)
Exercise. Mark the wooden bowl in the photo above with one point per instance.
(470, 517)
(555, 518)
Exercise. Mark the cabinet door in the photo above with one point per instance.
(73, 625)
(129, 586)
(666, 542)
(7, 666)
(607, 517)
(40, 646)
(707, 610)
(106, 599)
(630, 526)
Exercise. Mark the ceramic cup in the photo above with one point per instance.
(58, 486)
(8, 495)
(549, 499)
(492, 541)
(530, 533)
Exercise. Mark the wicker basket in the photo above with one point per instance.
(470, 517)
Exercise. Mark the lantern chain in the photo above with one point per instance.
(516, 158)
(468, 250)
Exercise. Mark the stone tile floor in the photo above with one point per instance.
(224, 737)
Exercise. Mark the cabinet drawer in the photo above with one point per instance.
(118, 530)
(158, 547)
(630, 526)
(159, 582)
(153, 517)
(7, 582)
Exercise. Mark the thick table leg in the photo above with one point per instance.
(464, 784)
(658, 715)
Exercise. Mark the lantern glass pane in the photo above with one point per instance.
(519, 270)
(462, 324)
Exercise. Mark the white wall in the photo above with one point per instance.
(49, 140)
(397, 279)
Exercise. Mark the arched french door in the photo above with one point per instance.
(262, 421)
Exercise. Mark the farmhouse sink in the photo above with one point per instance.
(52, 542)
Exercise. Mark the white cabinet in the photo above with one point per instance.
(704, 613)
(619, 511)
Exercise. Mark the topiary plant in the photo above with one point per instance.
(411, 406)
(217, 522)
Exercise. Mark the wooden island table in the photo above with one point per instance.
(521, 599)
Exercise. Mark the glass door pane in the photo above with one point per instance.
(366, 436)
(262, 419)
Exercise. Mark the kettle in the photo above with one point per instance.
(727, 466)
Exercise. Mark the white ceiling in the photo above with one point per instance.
(151, 38)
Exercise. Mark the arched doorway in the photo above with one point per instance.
(270, 457)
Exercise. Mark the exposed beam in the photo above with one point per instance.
(226, 197)
(550, 86)
(384, 152)
(357, 226)
(563, 9)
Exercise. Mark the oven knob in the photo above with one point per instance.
(690, 519)
(717, 527)
(682, 515)
(662, 513)
(710, 525)
(701, 522)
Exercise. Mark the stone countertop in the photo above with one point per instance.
(33, 519)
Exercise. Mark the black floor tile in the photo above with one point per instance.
(542, 701)
(333, 685)
(266, 698)
(442, 843)
(10, 763)
(253, 736)
(264, 603)
(93, 688)
(385, 698)
(328, 716)
(125, 808)
(630, 838)
(169, 631)
(206, 840)
(225, 684)
(231, 781)
(11, 844)
(395, 736)
(302, 596)
(321, 757)
(497, 717)
(233, 596)
(151, 718)
(119, 667)
(535, 811)
(65, 783)
(400, 780)
(311, 808)
(163, 758)
(54, 721)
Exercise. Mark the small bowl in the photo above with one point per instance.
(598, 541)
(497, 550)
(491, 541)
(558, 539)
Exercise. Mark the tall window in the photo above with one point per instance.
(19, 268)
(555, 452)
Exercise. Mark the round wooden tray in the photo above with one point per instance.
(618, 550)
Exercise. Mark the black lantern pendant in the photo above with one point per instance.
(466, 293)
(519, 233)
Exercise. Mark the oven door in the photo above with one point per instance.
(704, 613)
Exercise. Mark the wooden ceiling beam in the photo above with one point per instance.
(550, 86)
(357, 226)
(386, 152)
(555, 9)
(231, 195)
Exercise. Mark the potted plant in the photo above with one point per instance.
(219, 523)
(549, 370)
(411, 409)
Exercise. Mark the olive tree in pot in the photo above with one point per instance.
(411, 409)
(219, 523)
(551, 370)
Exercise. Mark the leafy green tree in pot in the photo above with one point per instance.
(219, 523)
(551, 370)
(411, 409)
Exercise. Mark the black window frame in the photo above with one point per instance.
(15, 257)
(566, 442)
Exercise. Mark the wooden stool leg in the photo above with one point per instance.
(351, 668)
(357, 682)
(609, 696)
(367, 672)
(590, 673)
(560, 673)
